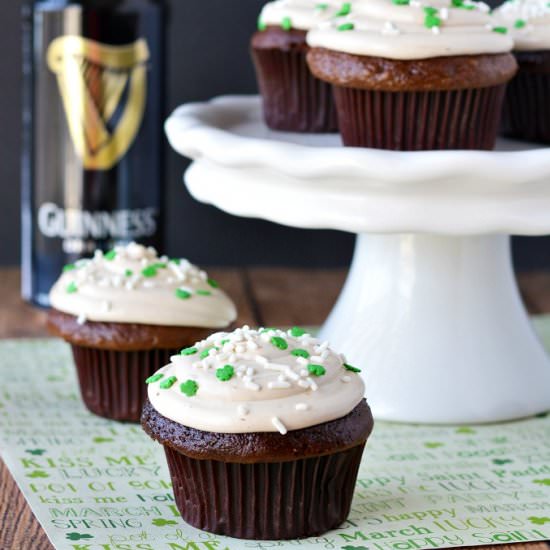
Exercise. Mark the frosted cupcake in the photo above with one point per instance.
(527, 107)
(125, 313)
(414, 75)
(263, 432)
(293, 100)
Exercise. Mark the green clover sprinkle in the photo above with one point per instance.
(226, 373)
(346, 27)
(300, 353)
(520, 23)
(352, 369)
(316, 370)
(149, 272)
(204, 293)
(207, 351)
(286, 24)
(460, 4)
(110, 256)
(226, 341)
(175, 261)
(183, 294)
(72, 288)
(432, 21)
(189, 388)
(168, 383)
(321, 7)
(344, 10)
(189, 351)
(429, 10)
(261, 24)
(128, 273)
(279, 343)
(154, 378)
(213, 283)
(69, 267)
(401, 2)
(160, 265)
(500, 30)
(297, 332)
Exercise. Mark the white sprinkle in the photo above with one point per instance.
(265, 337)
(302, 407)
(291, 374)
(243, 410)
(106, 306)
(252, 346)
(436, 30)
(149, 284)
(325, 354)
(144, 262)
(240, 348)
(345, 379)
(278, 385)
(262, 360)
(312, 384)
(81, 319)
(98, 255)
(279, 425)
(302, 361)
(304, 373)
(249, 385)
(303, 383)
(390, 29)
(324, 346)
(317, 359)
(250, 371)
(444, 13)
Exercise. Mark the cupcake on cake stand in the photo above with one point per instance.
(430, 311)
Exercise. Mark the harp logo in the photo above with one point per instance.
(104, 92)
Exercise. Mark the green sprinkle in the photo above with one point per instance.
(207, 351)
(297, 332)
(175, 261)
(168, 383)
(226, 373)
(352, 369)
(189, 388)
(321, 7)
(189, 351)
(72, 288)
(431, 21)
(149, 272)
(110, 256)
(401, 2)
(160, 265)
(261, 24)
(128, 273)
(316, 370)
(300, 353)
(204, 293)
(500, 30)
(154, 378)
(344, 10)
(346, 27)
(69, 267)
(428, 10)
(520, 23)
(460, 4)
(183, 294)
(226, 341)
(279, 343)
(213, 283)
(286, 24)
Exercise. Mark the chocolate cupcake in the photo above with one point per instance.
(527, 105)
(125, 313)
(263, 432)
(411, 75)
(293, 99)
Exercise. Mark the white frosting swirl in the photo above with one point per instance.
(256, 381)
(528, 22)
(420, 29)
(300, 14)
(131, 284)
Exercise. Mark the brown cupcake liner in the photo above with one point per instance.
(112, 383)
(420, 121)
(265, 501)
(293, 99)
(527, 107)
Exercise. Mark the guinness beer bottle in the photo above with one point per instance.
(92, 152)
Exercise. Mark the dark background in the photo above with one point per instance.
(207, 56)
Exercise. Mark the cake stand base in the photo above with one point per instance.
(438, 327)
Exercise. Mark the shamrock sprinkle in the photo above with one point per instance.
(226, 373)
(183, 294)
(346, 27)
(204, 293)
(286, 24)
(175, 261)
(316, 370)
(168, 383)
(213, 283)
(110, 256)
(401, 2)
(344, 10)
(500, 30)
(351, 369)
(321, 7)
(261, 24)
(149, 272)
(154, 378)
(206, 352)
(72, 288)
(300, 353)
(128, 273)
(226, 341)
(189, 351)
(297, 332)
(279, 343)
(69, 267)
(189, 388)
(160, 265)
(520, 23)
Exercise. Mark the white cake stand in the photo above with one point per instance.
(431, 310)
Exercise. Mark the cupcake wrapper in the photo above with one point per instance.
(112, 383)
(420, 121)
(527, 107)
(282, 500)
(293, 99)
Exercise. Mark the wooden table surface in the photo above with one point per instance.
(267, 297)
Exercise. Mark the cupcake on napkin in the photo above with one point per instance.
(415, 75)
(125, 313)
(527, 105)
(293, 100)
(263, 432)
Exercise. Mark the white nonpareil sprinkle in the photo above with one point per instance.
(302, 407)
(279, 425)
(81, 320)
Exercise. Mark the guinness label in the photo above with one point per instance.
(104, 93)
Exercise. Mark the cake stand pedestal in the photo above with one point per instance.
(430, 310)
